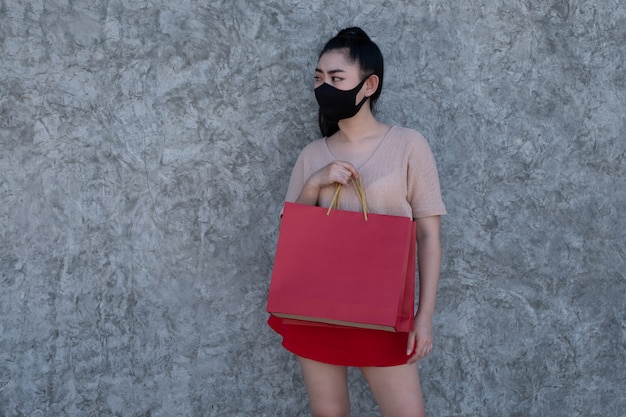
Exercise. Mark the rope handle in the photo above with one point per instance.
(360, 193)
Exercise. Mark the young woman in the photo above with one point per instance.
(398, 171)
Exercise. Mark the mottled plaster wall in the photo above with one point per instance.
(146, 147)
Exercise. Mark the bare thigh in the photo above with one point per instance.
(397, 390)
(327, 388)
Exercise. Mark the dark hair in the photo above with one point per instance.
(362, 51)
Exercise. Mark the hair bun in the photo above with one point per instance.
(353, 32)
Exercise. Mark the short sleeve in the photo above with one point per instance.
(424, 191)
(296, 181)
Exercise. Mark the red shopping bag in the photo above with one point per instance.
(344, 268)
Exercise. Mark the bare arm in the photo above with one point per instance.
(429, 265)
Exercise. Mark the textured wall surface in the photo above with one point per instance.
(146, 147)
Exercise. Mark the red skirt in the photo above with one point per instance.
(343, 346)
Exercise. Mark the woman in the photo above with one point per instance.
(398, 171)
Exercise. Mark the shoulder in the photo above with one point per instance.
(318, 145)
(409, 139)
(407, 134)
(313, 151)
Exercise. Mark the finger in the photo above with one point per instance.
(338, 176)
(411, 343)
(343, 177)
(351, 169)
(425, 351)
(413, 359)
(339, 170)
(418, 356)
(422, 349)
(353, 172)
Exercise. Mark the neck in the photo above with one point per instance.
(359, 127)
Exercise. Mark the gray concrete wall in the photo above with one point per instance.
(146, 147)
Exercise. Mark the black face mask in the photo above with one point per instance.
(336, 104)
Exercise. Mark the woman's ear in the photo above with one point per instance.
(371, 85)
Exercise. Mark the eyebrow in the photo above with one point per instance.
(335, 71)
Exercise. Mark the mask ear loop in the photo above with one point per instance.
(362, 102)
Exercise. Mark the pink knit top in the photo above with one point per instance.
(400, 177)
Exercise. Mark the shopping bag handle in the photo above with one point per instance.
(360, 193)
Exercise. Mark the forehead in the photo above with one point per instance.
(336, 59)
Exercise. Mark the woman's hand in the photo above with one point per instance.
(420, 339)
(336, 172)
